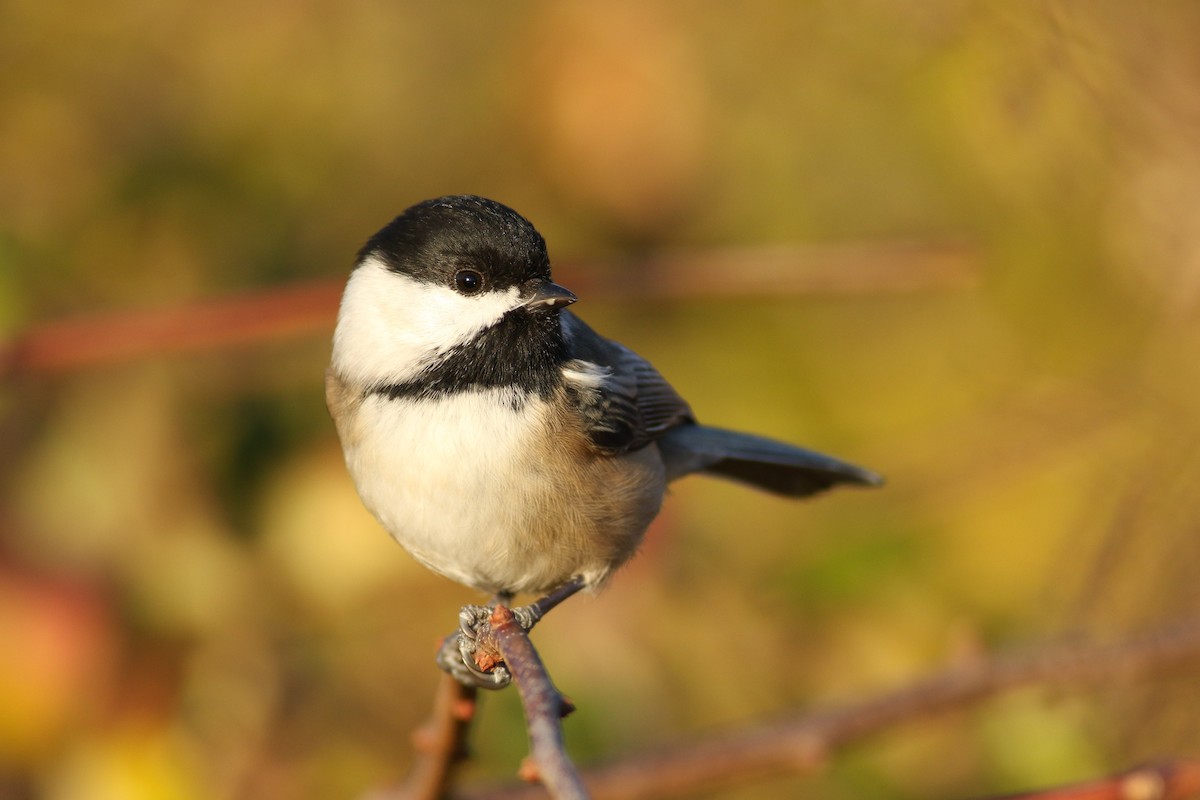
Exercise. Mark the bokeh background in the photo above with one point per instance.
(194, 605)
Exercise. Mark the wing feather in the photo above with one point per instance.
(624, 401)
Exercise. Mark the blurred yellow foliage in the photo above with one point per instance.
(193, 602)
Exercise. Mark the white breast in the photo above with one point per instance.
(451, 479)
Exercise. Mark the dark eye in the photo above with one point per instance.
(468, 281)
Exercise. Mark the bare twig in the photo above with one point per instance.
(310, 308)
(440, 745)
(862, 267)
(99, 339)
(544, 706)
(1174, 781)
(802, 744)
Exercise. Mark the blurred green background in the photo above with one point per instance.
(194, 605)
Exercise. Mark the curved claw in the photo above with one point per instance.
(470, 618)
(455, 657)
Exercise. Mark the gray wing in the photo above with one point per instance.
(626, 404)
(623, 400)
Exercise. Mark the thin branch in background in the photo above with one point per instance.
(440, 745)
(1173, 781)
(846, 268)
(309, 308)
(102, 339)
(802, 744)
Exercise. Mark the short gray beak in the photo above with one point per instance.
(550, 295)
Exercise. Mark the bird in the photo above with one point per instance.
(497, 437)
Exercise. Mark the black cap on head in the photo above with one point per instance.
(432, 240)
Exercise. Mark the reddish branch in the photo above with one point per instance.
(802, 744)
(440, 745)
(310, 308)
(1177, 781)
(106, 338)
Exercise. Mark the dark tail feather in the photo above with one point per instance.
(760, 462)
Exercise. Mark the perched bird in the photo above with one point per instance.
(497, 437)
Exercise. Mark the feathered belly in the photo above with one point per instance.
(473, 489)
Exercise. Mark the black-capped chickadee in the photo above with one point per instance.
(498, 438)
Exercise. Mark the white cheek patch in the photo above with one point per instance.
(391, 326)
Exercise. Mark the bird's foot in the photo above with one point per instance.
(457, 657)
(460, 652)
(474, 623)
